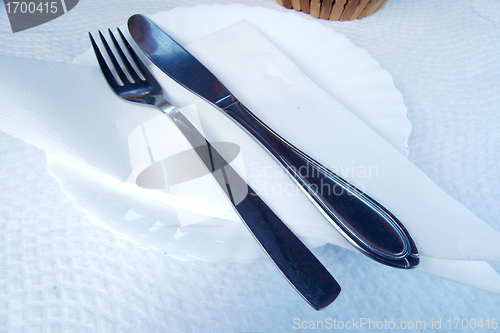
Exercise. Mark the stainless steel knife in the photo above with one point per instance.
(366, 224)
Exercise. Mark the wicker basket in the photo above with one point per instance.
(338, 10)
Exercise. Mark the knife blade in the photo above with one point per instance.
(367, 225)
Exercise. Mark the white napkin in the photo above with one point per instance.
(93, 133)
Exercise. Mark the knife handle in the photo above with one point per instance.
(301, 268)
(366, 224)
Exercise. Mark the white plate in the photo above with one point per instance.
(345, 71)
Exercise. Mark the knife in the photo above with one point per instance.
(366, 224)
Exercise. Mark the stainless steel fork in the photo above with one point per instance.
(302, 269)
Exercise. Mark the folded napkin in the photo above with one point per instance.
(71, 113)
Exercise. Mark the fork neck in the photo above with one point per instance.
(171, 111)
(164, 105)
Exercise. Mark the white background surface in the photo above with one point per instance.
(59, 272)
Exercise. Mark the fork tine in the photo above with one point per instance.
(119, 70)
(102, 63)
(124, 58)
(144, 70)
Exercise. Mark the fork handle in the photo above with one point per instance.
(365, 223)
(301, 268)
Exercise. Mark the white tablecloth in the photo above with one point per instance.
(59, 272)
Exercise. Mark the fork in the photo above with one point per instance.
(299, 266)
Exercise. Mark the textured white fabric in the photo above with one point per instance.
(60, 272)
(280, 95)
